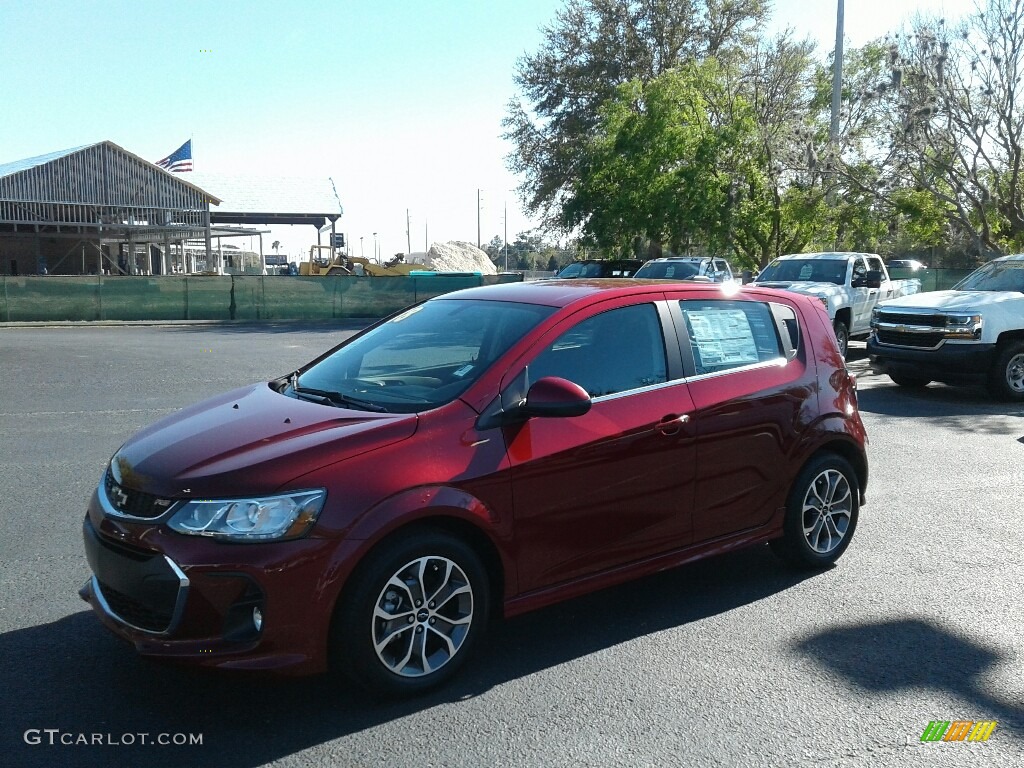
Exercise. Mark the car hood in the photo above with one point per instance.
(803, 286)
(248, 441)
(959, 301)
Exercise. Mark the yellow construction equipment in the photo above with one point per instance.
(323, 261)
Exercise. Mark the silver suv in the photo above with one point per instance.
(701, 268)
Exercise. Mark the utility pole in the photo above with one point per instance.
(408, 236)
(478, 217)
(506, 236)
(837, 75)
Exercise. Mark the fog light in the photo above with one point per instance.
(257, 618)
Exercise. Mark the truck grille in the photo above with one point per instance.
(900, 339)
(903, 318)
(133, 503)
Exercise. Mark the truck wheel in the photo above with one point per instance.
(821, 513)
(911, 382)
(1006, 380)
(842, 336)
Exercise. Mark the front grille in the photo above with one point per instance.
(903, 318)
(900, 339)
(131, 611)
(134, 503)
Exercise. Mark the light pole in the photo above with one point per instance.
(361, 254)
(376, 252)
(837, 74)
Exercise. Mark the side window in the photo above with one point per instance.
(615, 351)
(860, 270)
(731, 334)
(874, 263)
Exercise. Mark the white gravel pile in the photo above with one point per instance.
(454, 256)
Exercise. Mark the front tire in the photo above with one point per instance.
(821, 513)
(1006, 380)
(412, 614)
(842, 336)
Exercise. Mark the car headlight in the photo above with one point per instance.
(823, 300)
(259, 518)
(875, 316)
(963, 327)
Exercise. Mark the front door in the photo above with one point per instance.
(615, 485)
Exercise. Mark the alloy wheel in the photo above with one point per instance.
(827, 511)
(422, 616)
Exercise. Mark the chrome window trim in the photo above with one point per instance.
(637, 390)
(179, 603)
(776, 362)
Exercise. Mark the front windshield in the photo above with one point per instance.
(995, 276)
(668, 270)
(421, 358)
(805, 270)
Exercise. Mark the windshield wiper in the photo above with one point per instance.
(336, 398)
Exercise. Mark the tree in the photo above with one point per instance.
(956, 125)
(661, 164)
(276, 245)
(592, 48)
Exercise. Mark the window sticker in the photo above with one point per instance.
(723, 337)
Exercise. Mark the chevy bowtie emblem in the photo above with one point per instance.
(122, 497)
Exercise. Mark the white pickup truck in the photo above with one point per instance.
(848, 284)
(972, 333)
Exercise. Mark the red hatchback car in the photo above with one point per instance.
(485, 452)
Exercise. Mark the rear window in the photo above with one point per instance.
(668, 270)
(730, 334)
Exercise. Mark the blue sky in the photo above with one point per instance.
(399, 101)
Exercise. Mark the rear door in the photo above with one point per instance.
(752, 387)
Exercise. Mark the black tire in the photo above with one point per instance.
(1006, 380)
(911, 382)
(821, 513)
(842, 336)
(449, 567)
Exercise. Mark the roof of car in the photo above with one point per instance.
(827, 255)
(683, 258)
(561, 293)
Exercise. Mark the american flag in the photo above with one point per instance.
(180, 160)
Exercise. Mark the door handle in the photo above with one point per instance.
(670, 425)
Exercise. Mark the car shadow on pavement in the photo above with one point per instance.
(915, 654)
(73, 676)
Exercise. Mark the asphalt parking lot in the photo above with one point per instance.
(734, 661)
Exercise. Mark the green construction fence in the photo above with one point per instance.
(228, 297)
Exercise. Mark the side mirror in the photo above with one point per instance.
(552, 396)
(873, 279)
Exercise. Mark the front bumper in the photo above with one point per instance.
(192, 599)
(949, 362)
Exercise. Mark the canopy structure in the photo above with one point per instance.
(90, 198)
(274, 200)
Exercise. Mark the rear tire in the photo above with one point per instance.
(411, 615)
(1006, 380)
(821, 513)
(842, 336)
(911, 382)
